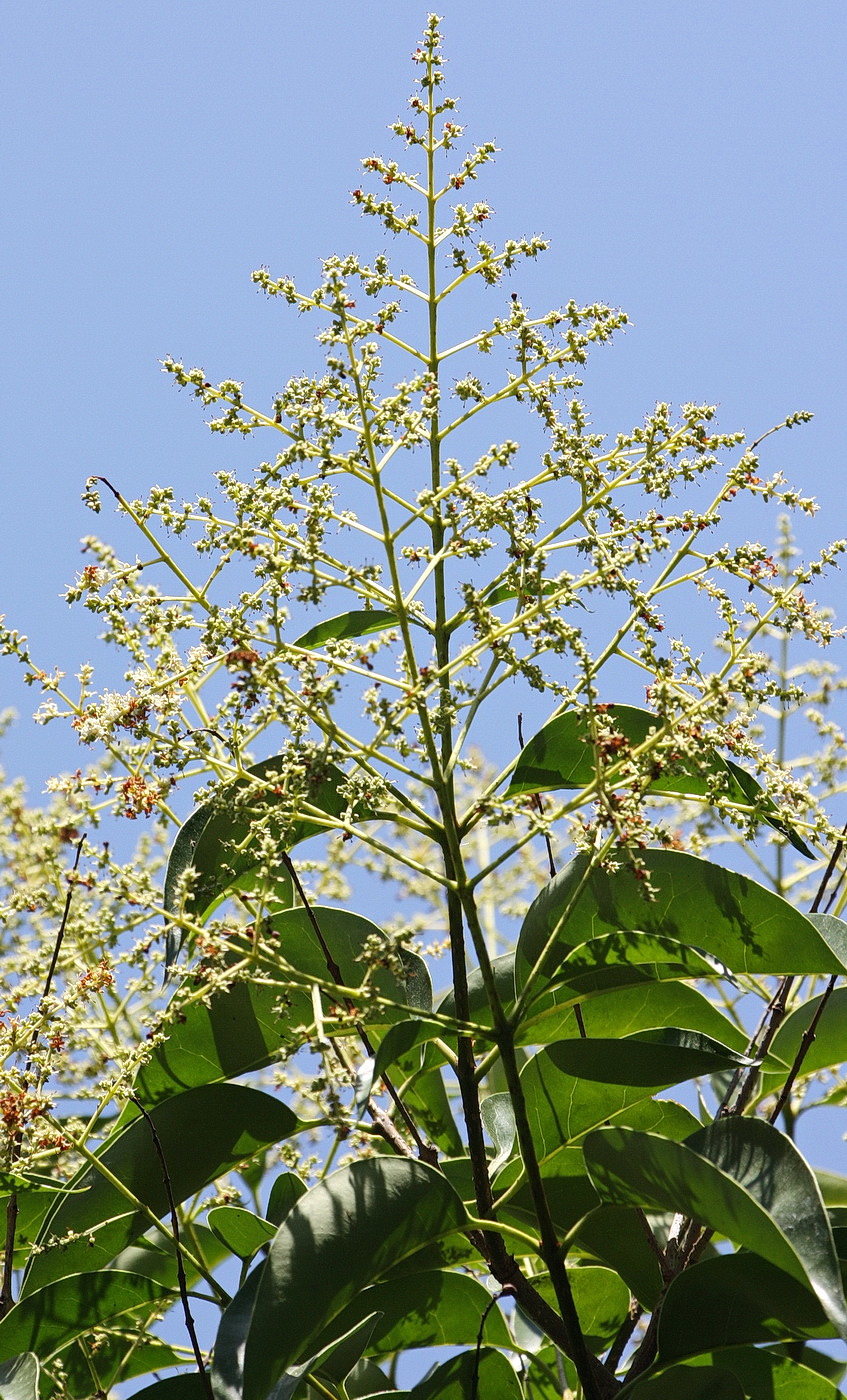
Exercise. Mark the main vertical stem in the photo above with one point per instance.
(444, 780)
(595, 1381)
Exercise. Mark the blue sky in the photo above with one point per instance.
(685, 160)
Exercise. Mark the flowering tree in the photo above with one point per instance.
(229, 1094)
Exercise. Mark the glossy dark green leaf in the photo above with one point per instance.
(437, 1307)
(227, 1370)
(203, 1132)
(562, 1107)
(334, 1361)
(19, 1378)
(758, 1371)
(286, 1191)
(649, 1058)
(186, 1386)
(570, 1193)
(561, 756)
(739, 1176)
(240, 1230)
(602, 1303)
(624, 1010)
(429, 1103)
(239, 1030)
(48, 1320)
(216, 841)
(345, 934)
(343, 1235)
(479, 1012)
(153, 1255)
(732, 918)
(616, 1236)
(358, 623)
(690, 1383)
(470, 1376)
(401, 1038)
(768, 809)
(732, 1300)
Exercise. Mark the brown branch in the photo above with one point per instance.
(805, 1045)
(625, 1331)
(180, 1267)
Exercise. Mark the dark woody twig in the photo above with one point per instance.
(180, 1267)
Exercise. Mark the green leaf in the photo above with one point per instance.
(562, 756)
(366, 1379)
(690, 1383)
(768, 809)
(759, 1372)
(735, 1299)
(401, 1038)
(334, 1361)
(240, 1230)
(498, 1119)
(624, 1010)
(285, 1193)
(345, 934)
(429, 1103)
(203, 1133)
(153, 1255)
(219, 841)
(343, 1235)
(747, 927)
(572, 1197)
(505, 592)
(470, 1376)
(48, 1320)
(650, 1058)
(615, 1235)
(238, 1030)
(358, 623)
(121, 1356)
(437, 1307)
(741, 1177)
(602, 1303)
(187, 1386)
(833, 1188)
(562, 1107)
(479, 1012)
(227, 1370)
(19, 1378)
(829, 1046)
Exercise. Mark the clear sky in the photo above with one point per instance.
(687, 161)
